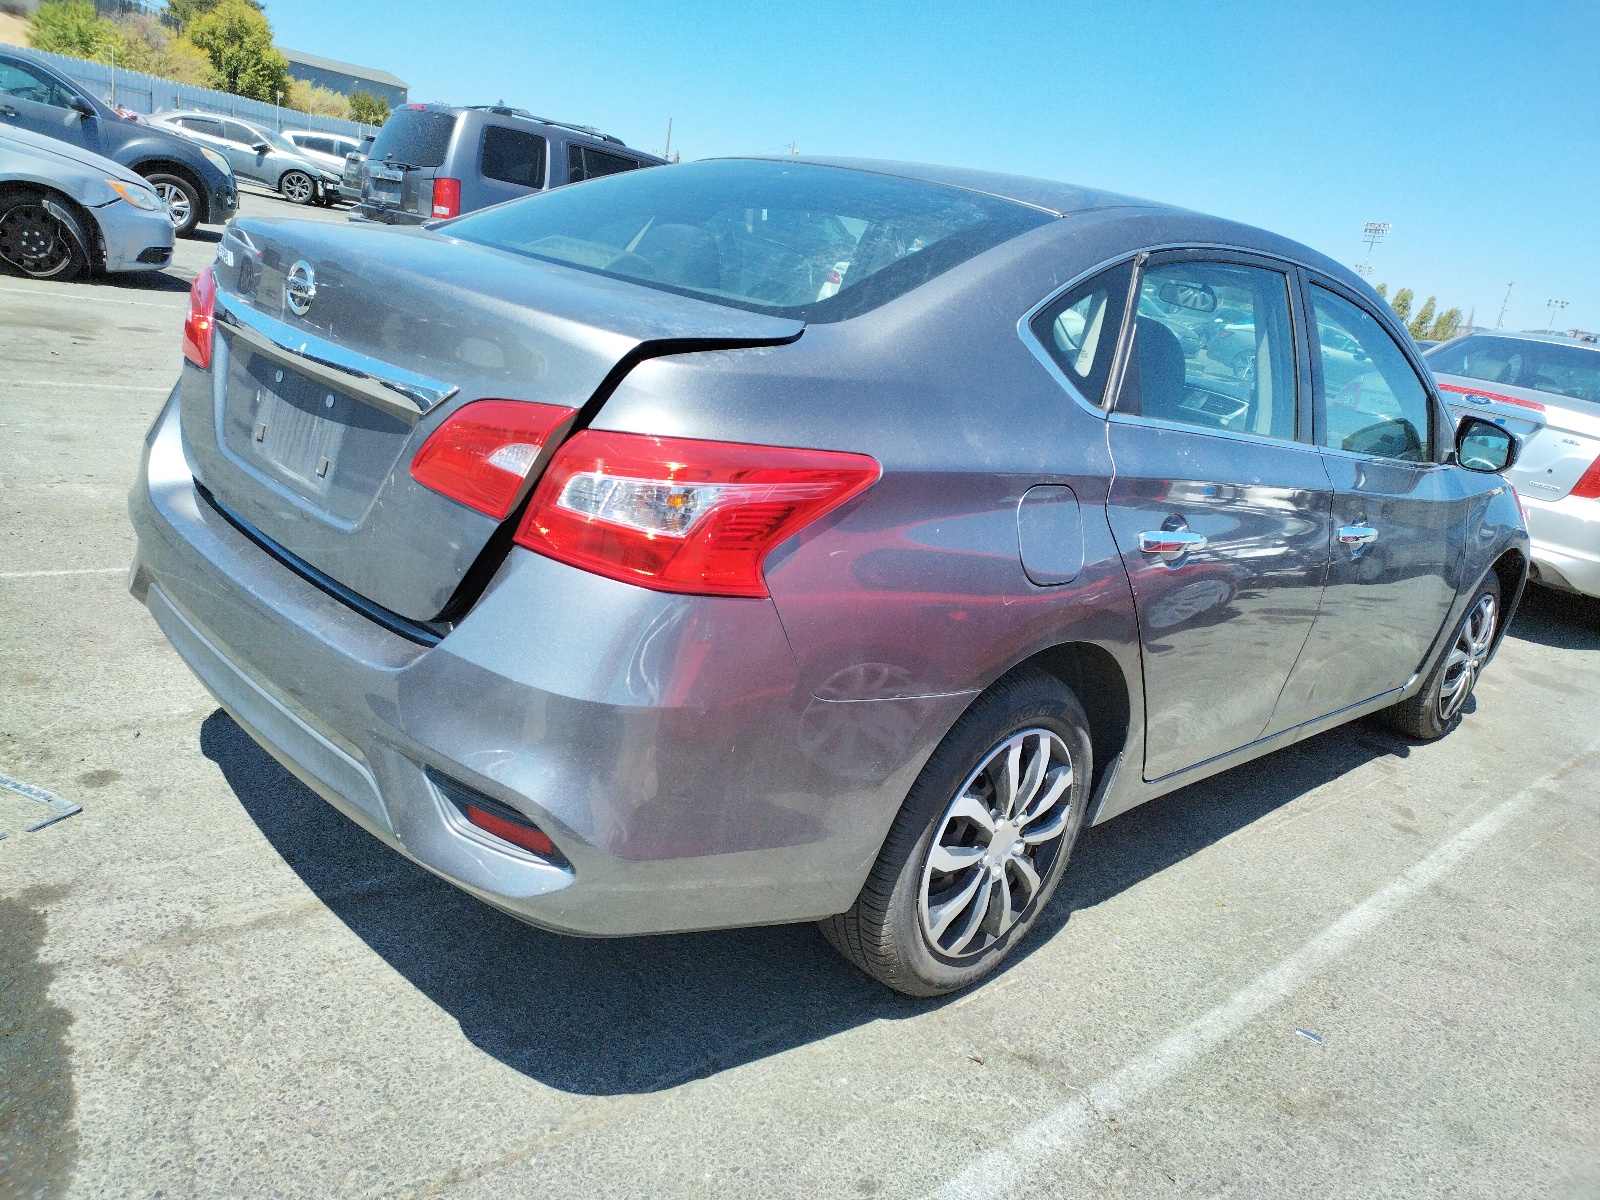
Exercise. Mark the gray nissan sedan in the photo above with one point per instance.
(758, 541)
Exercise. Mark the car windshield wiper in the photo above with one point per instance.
(400, 166)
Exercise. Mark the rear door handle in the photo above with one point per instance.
(1357, 536)
(9, 111)
(1171, 541)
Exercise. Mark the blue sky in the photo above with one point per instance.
(1473, 128)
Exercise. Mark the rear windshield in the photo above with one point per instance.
(815, 243)
(1561, 370)
(417, 137)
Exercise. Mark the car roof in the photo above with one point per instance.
(566, 128)
(1529, 335)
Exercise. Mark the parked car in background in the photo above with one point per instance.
(1545, 389)
(327, 150)
(431, 161)
(257, 154)
(65, 212)
(350, 179)
(777, 540)
(196, 183)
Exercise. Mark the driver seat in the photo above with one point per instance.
(1156, 372)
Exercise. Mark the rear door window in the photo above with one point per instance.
(1372, 402)
(512, 156)
(585, 162)
(418, 137)
(1079, 330)
(1213, 348)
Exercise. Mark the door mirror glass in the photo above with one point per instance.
(81, 106)
(1484, 446)
(1184, 293)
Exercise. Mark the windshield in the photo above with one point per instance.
(1561, 369)
(815, 243)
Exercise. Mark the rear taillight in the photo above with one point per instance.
(198, 326)
(446, 197)
(482, 454)
(1588, 485)
(680, 515)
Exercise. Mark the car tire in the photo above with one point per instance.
(40, 243)
(940, 909)
(1437, 708)
(185, 204)
(297, 187)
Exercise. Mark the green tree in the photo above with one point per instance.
(150, 47)
(182, 13)
(1419, 325)
(319, 101)
(238, 41)
(368, 109)
(1402, 304)
(1446, 326)
(1383, 290)
(73, 27)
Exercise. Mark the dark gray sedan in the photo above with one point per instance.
(761, 541)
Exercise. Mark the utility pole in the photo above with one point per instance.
(1501, 319)
(667, 153)
(1555, 307)
(1372, 234)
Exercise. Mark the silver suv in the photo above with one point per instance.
(432, 161)
(257, 154)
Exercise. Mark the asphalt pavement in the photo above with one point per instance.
(1360, 967)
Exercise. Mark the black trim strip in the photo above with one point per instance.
(423, 633)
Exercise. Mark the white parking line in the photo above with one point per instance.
(68, 385)
(181, 301)
(1001, 1172)
(73, 571)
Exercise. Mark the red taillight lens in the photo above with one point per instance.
(482, 455)
(1588, 485)
(679, 515)
(198, 325)
(446, 197)
(525, 836)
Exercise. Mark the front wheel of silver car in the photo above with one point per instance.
(979, 844)
(1438, 706)
(297, 187)
(36, 241)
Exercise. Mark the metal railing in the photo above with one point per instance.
(141, 93)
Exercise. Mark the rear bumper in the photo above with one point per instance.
(661, 741)
(1566, 543)
(386, 216)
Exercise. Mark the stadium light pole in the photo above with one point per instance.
(1555, 307)
(1372, 234)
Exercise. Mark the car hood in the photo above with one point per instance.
(52, 148)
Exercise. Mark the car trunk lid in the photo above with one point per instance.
(305, 427)
(1560, 437)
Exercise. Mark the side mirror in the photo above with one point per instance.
(81, 106)
(1484, 446)
(261, 148)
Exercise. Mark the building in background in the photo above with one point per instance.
(346, 78)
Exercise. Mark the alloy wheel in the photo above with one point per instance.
(177, 202)
(296, 187)
(33, 241)
(996, 844)
(1466, 658)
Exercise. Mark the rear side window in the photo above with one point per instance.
(417, 137)
(1372, 401)
(201, 125)
(791, 239)
(1079, 330)
(512, 156)
(585, 162)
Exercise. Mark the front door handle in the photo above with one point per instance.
(1357, 536)
(1171, 541)
(9, 111)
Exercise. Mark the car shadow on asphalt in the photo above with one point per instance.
(146, 281)
(1560, 620)
(629, 1015)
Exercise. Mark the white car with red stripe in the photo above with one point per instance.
(1546, 390)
